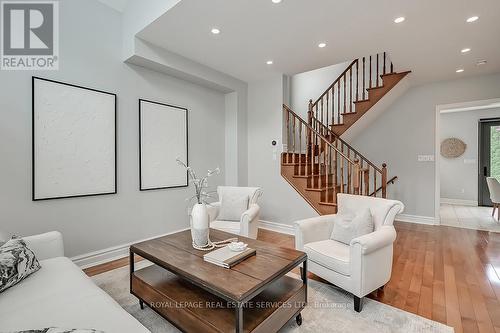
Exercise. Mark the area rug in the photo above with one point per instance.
(329, 310)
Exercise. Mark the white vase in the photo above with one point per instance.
(199, 220)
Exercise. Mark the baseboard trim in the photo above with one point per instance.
(429, 220)
(111, 253)
(461, 202)
(290, 230)
(277, 227)
(121, 251)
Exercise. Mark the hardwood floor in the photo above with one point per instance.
(447, 274)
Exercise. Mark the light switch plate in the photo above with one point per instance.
(425, 158)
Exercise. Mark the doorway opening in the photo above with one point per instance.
(489, 157)
(467, 152)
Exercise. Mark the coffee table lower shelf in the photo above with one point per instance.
(193, 309)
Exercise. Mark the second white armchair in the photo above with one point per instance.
(365, 264)
(237, 211)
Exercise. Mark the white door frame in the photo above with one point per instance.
(455, 107)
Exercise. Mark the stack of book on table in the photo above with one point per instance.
(226, 258)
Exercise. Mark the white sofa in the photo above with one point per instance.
(361, 267)
(61, 295)
(248, 225)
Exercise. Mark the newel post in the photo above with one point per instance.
(384, 181)
(357, 176)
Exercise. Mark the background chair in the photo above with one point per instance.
(248, 223)
(361, 267)
(494, 188)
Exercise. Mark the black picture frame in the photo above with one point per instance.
(141, 188)
(33, 131)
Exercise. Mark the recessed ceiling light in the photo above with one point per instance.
(465, 50)
(269, 62)
(460, 70)
(321, 45)
(481, 62)
(472, 19)
(276, 1)
(215, 31)
(399, 19)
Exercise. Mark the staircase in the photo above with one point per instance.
(317, 162)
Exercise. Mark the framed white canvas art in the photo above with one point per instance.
(73, 141)
(163, 137)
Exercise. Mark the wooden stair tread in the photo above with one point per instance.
(377, 87)
(327, 203)
(395, 73)
(321, 189)
(301, 176)
(312, 175)
(362, 100)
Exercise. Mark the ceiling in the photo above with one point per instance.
(428, 42)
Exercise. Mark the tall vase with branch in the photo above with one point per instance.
(200, 184)
(199, 217)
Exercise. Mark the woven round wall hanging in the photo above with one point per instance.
(452, 148)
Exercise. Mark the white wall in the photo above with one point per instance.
(280, 202)
(310, 85)
(90, 34)
(163, 61)
(458, 176)
(408, 129)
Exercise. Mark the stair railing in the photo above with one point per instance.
(390, 181)
(351, 86)
(372, 174)
(327, 166)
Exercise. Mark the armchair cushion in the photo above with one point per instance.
(348, 227)
(232, 207)
(253, 193)
(313, 229)
(382, 210)
(330, 254)
(227, 226)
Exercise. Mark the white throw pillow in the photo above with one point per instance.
(346, 227)
(232, 207)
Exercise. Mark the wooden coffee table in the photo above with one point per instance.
(196, 296)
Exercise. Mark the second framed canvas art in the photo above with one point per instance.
(163, 137)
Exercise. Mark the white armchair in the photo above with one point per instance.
(248, 223)
(494, 188)
(361, 267)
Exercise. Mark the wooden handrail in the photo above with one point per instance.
(346, 144)
(347, 90)
(390, 181)
(318, 154)
(317, 133)
(334, 82)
